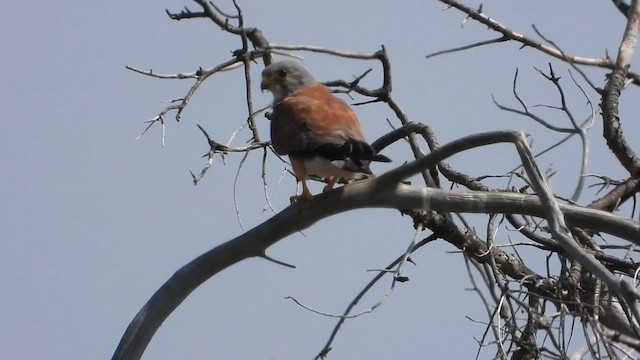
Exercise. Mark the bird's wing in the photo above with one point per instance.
(314, 122)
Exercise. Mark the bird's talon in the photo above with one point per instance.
(296, 198)
(330, 184)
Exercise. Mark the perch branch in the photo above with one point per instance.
(384, 192)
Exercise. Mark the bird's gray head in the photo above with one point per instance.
(284, 78)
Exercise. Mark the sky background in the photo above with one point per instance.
(93, 221)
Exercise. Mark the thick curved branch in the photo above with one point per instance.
(298, 217)
(383, 192)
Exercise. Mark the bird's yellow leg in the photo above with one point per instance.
(330, 184)
(300, 170)
(306, 194)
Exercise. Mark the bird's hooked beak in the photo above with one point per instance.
(267, 82)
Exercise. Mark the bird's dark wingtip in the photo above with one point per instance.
(380, 158)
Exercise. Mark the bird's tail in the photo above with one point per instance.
(356, 150)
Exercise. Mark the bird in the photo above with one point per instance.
(319, 132)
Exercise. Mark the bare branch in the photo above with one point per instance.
(512, 35)
(150, 72)
(327, 347)
(467, 47)
(235, 189)
(621, 6)
(383, 191)
(527, 41)
(322, 50)
(184, 14)
(611, 95)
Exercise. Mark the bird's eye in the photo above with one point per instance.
(282, 73)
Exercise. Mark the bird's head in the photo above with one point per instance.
(284, 78)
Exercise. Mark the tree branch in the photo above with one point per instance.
(611, 95)
(527, 41)
(383, 192)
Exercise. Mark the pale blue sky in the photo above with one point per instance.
(94, 221)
